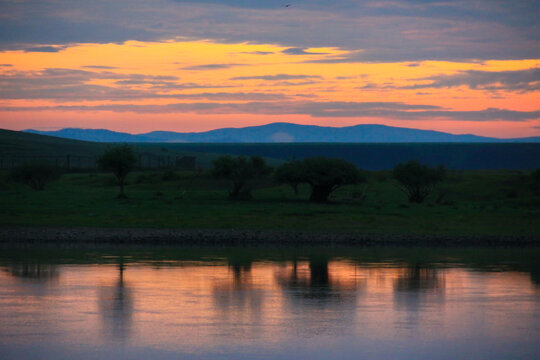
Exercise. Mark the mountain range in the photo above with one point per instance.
(280, 132)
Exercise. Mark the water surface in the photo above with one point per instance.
(174, 303)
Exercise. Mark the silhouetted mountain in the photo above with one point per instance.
(97, 135)
(281, 132)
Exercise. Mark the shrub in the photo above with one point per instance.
(324, 175)
(535, 181)
(242, 172)
(169, 175)
(35, 175)
(417, 180)
(291, 174)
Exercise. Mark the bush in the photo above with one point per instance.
(417, 180)
(242, 172)
(120, 160)
(169, 175)
(535, 181)
(35, 175)
(324, 175)
(291, 174)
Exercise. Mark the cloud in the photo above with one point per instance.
(371, 30)
(6, 65)
(72, 84)
(99, 67)
(276, 77)
(374, 86)
(236, 96)
(300, 51)
(258, 52)
(46, 49)
(393, 110)
(212, 66)
(518, 80)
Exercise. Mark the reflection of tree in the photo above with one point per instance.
(318, 286)
(418, 278)
(416, 287)
(235, 297)
(40, 272)
(535, 276)
(116, 306)
(318, 301)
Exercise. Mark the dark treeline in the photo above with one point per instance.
(144, 161)
(322, 174)
(386, 156)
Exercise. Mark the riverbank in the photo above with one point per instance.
(134, 236)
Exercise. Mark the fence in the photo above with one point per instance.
(145, 161)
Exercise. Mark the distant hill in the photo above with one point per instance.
(281, 132)
(17, 143)
(16, 147)
(456, 155)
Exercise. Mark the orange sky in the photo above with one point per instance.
(136, 87)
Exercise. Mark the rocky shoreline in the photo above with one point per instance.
(208, 237)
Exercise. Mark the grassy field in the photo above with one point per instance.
(475, 202)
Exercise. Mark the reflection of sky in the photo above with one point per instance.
(266, 308)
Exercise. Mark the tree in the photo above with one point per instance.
(35, 175)
(417, 180)
(291, 174)
(324, 175)
(242, 172)
(535, 181)
(120, 160)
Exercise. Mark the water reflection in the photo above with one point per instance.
(237, 298)
(246, 304)
(314, 285)
(418, 290)
(419, 278)
(116, 306)
(34, 271)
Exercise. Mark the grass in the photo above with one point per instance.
(475, 202)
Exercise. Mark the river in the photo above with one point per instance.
(263, 303)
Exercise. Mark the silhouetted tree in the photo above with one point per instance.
(120, 160)
(35, 175)
(417, 180)
(242, 172)
(290, 174)
(535, 181)
(324, 175)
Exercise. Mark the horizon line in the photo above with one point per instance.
(53, 129)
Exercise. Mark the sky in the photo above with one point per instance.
(136, 66)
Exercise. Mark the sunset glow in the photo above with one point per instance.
(428, 74)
